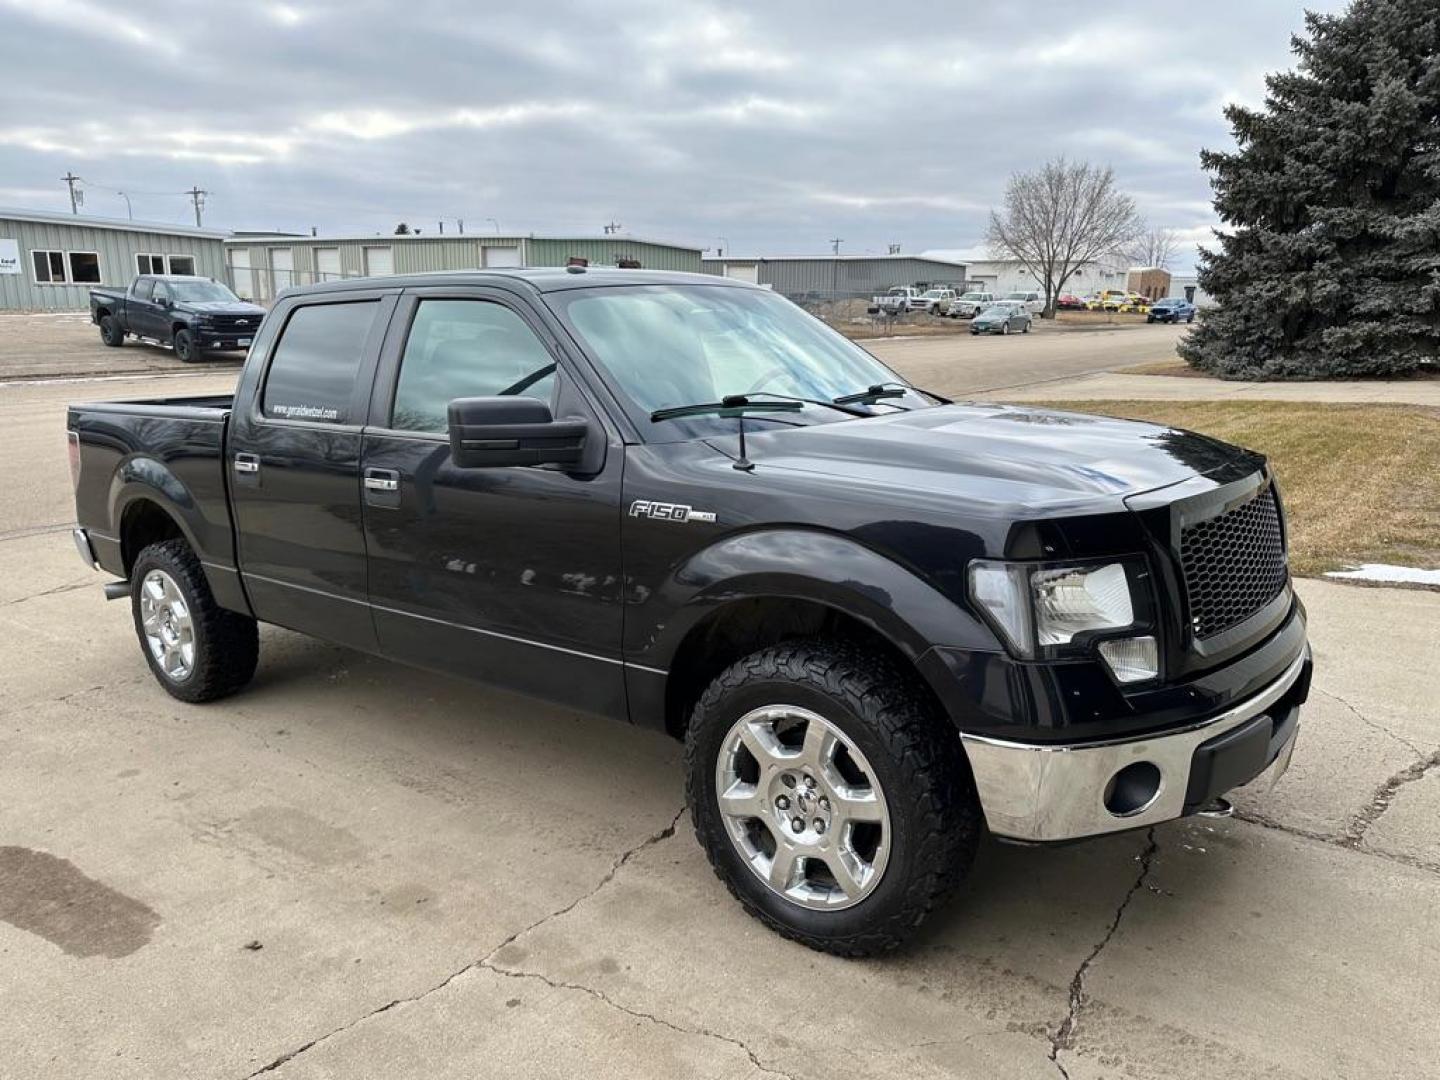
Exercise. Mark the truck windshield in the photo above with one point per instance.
(201, 290)
(669, 345)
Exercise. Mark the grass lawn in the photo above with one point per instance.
(1361, 483)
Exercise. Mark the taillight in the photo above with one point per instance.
(74, 459)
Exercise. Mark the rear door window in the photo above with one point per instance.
(466, 348)
(312, 373)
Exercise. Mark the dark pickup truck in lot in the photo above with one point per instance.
(192, 314)
(882, 623)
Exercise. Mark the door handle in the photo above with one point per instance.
(381, 480)
(247, 463)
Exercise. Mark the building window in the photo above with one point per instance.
(182, 264)
(49, 267)
(149, 264)
(85, 267)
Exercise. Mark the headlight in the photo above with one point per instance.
(1043, 609)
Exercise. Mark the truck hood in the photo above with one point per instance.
(222, 307)
(1015, 456)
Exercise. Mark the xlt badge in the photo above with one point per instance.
(668, 511)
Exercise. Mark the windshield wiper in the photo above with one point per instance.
(731, 405)
(736, 405)
(884, 390)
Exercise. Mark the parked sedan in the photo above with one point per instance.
(1172, 309)
(1069, 302)
(1002, 318)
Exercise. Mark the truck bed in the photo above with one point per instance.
(167, 451)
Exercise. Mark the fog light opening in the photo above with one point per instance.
(1133, 789)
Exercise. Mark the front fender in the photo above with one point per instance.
(804, 564)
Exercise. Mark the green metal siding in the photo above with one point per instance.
(116, 249)
(548, 252)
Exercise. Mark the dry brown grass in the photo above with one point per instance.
(1099, 318)
(1163, 367)
(1361, 482)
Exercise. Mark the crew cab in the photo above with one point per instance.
(969, 304)
(1030, 300)
(191, 314)
(882, 623)
(933, 301)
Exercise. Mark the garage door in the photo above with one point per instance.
(282, 269)
(327, 264)
(241, 280)
(743, 272)
(379, 261)
(502, 256)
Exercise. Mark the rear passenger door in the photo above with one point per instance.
(509, 575)
(293, 452)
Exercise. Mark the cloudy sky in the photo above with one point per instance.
(770, 128)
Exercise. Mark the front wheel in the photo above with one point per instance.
(110, 332)
(198, 650)
(829, 795)
(185, 347)
(1026, 328)
(1005, 327)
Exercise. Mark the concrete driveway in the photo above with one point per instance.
(355, 869)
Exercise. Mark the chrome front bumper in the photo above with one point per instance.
(1053, 792)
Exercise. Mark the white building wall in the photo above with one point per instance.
(1008, 275)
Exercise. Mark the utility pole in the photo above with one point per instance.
(612, 228)
(835, 245)
(197, 196)
(460, 225)
(442, 226)
(71, 179)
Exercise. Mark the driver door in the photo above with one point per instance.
(510, 575)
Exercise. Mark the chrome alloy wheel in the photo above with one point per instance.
(802, 807)
(169, 629)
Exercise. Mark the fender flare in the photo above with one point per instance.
(140, 478)
(815, 565)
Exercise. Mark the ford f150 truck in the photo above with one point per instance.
(881, 622)
(190, 313)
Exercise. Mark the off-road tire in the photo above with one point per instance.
(934, 813)
(185, 347)
(227, 644)
(110, 332)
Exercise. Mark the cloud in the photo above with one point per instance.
(776, 126)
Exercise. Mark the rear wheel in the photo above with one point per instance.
(1005, 327)
(198, 650)
(110, 332)
(185, 347)
(829, 796)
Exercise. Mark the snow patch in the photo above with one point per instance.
(1407, 575)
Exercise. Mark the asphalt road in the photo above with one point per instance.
(355, 869)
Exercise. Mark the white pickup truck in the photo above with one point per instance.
(897, 300)
(1034, 302)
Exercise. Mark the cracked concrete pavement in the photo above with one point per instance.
(355, 869)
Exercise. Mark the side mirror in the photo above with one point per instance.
(491, 432)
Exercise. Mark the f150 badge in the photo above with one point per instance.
(668, 511)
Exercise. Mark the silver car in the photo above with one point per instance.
(1001, 318)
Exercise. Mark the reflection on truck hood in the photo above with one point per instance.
(223, 307)
(1002, 454)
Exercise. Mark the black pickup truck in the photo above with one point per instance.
(192, 314)
(882, 623)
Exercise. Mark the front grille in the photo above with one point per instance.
(1234, 564)
(239, 324)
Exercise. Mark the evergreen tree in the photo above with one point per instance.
(1331, 266)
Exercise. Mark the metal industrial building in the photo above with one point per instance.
(49, 261)
(838, 277)
(259, 267)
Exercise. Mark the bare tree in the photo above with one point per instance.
(1153, 247)
(1061, 217)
